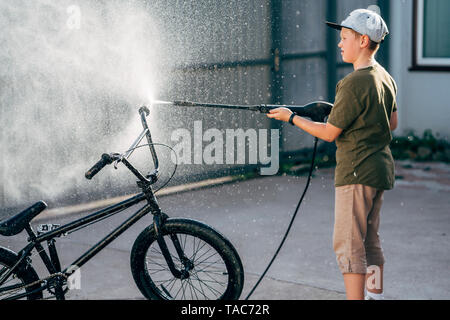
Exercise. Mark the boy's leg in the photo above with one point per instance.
(374, 251)
(354, 286)
(352, 207)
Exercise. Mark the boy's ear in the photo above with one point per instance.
(364, 41)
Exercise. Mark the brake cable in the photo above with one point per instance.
(176, 160)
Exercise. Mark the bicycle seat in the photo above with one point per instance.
(17, 223)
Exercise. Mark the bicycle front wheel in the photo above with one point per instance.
(212, 270)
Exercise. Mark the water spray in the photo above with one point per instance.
(317, 111)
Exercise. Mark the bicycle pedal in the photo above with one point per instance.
(46, 227)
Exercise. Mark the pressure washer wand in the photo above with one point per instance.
(218, 106)
(316, 111)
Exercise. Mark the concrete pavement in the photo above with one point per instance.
(253, 214)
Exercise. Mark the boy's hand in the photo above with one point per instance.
(282, 114)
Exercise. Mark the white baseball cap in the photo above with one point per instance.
(364, 21)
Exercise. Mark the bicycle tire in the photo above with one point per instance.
(24, 272)
(202, 282)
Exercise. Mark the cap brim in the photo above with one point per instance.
(334, 25)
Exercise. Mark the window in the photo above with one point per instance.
(431, 49)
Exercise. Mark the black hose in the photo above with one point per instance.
(291, 222)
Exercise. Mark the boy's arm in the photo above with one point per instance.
(394, 121)
(323, 131)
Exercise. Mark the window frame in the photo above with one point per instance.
(421, 63)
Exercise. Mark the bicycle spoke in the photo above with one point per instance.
(155, 271)
(209, 265)
(197, 250)
(159, 253)
(174, 280)
(208, 274)
(213, 280)
(214, 291)
(196, 290)
(176, 295)
(203, 261)
(192, 289)
(184, 290)
(165, 280)
(201, 255)
(202, 290)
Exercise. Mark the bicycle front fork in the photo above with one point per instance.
(159, 219)
(158, 222)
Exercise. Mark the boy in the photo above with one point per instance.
(361, 121)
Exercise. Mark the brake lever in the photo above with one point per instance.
(118, 157)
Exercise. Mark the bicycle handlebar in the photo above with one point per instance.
(105, 160)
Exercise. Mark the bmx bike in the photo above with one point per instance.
(171, 259)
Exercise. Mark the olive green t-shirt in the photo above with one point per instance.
(365, 100)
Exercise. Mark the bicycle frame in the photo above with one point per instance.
(52, 262)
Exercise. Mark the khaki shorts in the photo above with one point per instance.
(356, 240)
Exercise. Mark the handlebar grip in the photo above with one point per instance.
(105, 160)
